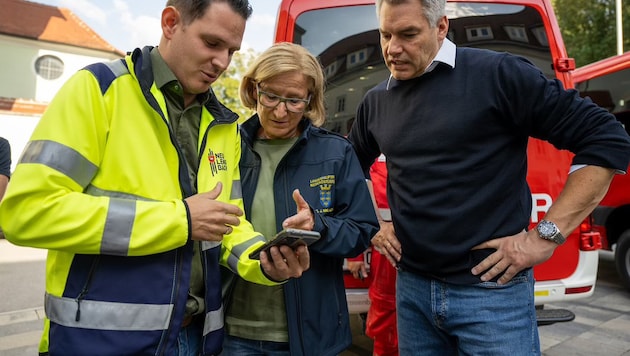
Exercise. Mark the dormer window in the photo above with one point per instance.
(479, 33)
(541, 35)
(357, 58)
(516, 33)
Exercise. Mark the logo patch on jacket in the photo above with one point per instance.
(217, 162)
(326, 185)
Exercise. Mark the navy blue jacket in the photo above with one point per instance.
(324, 167)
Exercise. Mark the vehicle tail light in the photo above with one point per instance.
(578, 290)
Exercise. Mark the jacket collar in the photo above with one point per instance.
(143, 71)
(249, 129)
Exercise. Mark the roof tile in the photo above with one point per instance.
(48, 23)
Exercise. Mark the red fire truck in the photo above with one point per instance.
(343, 34)
(607, 82)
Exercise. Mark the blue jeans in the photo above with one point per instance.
(236, 346)
(189, 340)
(437, 318)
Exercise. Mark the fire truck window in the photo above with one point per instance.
(346, 40)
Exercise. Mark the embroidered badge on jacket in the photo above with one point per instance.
(326, 185)
(217, 162)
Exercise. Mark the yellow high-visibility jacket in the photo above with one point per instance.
(101, 185)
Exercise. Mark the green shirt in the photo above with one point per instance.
(258, 312)
(184, 124)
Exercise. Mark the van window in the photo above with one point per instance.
(613, 90)
(346, 40)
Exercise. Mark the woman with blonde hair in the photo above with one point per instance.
(288, 159)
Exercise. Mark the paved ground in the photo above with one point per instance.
(21, 297)
(602, 322)
(601, 326)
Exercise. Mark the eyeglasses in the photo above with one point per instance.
(271, 101)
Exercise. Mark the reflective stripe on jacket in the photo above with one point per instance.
(101, 185)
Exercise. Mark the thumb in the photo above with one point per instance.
(300, 203)
(215, 192)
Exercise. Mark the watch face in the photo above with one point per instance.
(549, 231)
(546, 228)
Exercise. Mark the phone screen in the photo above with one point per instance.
(290, 237)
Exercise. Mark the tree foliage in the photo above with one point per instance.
(226, 88)
(589, 28)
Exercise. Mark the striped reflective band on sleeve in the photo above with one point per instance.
(97, 192)
(238, 250)
(237, 190)
(61, 158)
(120, 213)
(108, 315)
(118, 226)
(213, 321)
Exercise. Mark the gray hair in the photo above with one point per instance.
(433, 10)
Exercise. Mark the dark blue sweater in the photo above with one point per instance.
(456, 146)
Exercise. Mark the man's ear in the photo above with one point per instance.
(171, 18)
(442, 27)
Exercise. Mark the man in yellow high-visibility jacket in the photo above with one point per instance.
(131, 181)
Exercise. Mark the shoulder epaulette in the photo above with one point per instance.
(106, 72)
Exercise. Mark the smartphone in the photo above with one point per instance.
(290, 237)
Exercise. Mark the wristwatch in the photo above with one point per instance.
(549, 231)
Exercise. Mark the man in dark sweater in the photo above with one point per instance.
(454, 124)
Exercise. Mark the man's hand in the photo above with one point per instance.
(285, 262)
(387, 244)
(583, 190)
(513, 254)
(358, 270)
(303, 219)
(211, 219)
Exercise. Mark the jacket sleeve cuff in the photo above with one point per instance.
(269, 277)
(189, 220)
(320, 224)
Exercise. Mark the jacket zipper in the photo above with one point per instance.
(85, 289)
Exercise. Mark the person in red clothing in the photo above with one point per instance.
(381, 318)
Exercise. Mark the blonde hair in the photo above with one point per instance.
(281, 58)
